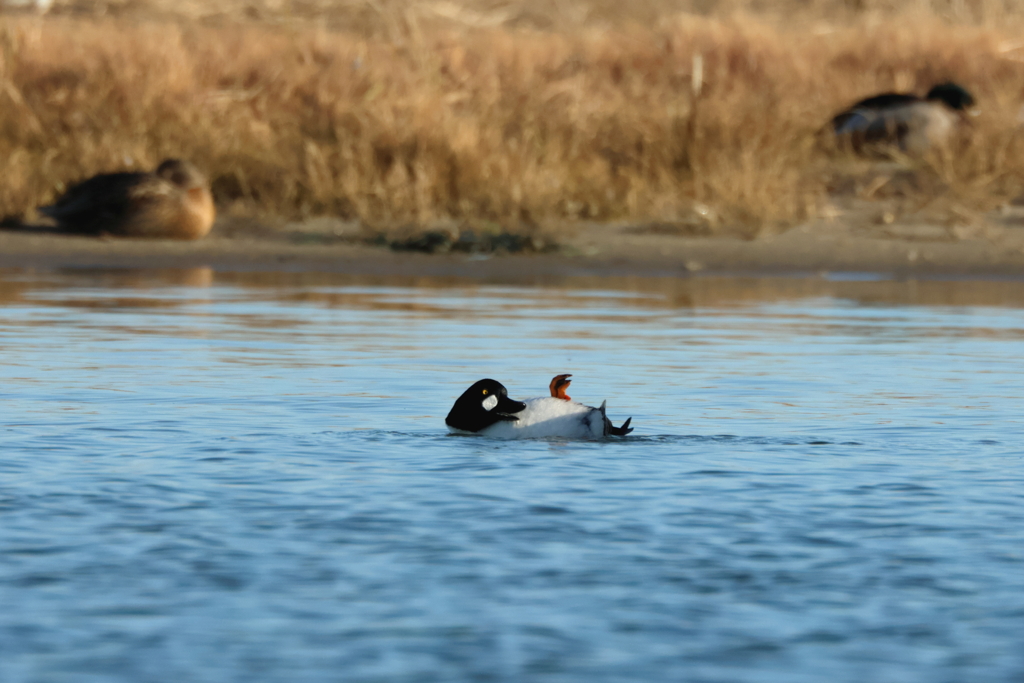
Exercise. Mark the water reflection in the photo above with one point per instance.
(120, 288)
(334, 289)
(693, 291)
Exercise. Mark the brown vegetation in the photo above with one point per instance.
(512, 114)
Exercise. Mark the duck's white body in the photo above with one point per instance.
(547, 417)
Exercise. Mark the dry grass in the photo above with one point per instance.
(422, 114)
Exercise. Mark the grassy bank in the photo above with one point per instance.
(397, 115)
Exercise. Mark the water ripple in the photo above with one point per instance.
(253, 481)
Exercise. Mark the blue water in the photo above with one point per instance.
(224, 477)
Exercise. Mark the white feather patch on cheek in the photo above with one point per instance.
(490, 402)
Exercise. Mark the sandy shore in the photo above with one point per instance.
(900, 250)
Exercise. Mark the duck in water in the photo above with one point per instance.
(486, 409)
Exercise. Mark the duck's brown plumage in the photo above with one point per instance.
(174, 201)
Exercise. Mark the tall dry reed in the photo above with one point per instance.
(409, 121)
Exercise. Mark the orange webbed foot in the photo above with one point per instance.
(558, 386)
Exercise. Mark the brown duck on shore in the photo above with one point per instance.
(172, 202)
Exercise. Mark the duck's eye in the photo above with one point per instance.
(486, 392)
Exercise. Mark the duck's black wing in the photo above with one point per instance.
(864, 114)
(887, 100)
